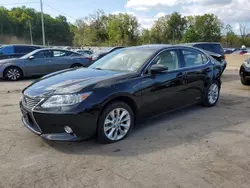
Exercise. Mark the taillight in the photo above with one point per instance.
(241, 53)
(89, 58)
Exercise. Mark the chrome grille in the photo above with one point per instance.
(30, 103)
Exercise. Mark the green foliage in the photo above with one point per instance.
(99, 29)
(15, 22)
(203, 28)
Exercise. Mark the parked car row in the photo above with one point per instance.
(41, 62)
(109, 97)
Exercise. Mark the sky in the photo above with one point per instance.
(147, 11)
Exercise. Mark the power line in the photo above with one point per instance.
(59, 11)
(27, 2)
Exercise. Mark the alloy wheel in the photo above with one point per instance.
(213, 93)
(117, 124)
(13, 74)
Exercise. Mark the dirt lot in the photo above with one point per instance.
(193, 147)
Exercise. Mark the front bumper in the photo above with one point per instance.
(51, 126)
(1, 71)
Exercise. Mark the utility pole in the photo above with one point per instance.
(31, 38)
(41, 3)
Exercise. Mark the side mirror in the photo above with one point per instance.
(31, 57)
(157, 68)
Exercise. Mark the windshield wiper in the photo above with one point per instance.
(98, 68)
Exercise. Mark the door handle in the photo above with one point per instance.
(180, 76)
(208, 69)
(48, 61)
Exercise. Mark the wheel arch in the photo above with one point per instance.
(13, 66)
(126, 98)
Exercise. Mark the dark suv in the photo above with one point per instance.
(15, 51)
(214, 47)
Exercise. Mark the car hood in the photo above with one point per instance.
(68, 81)
(5, 61)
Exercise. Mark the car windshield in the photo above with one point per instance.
(127, 60)
(29, 54)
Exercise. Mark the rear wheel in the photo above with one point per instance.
(115, 122)
(76, 65)
(244, 81)
(212, 94)
(13, 73)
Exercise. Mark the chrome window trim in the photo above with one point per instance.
(182, 68)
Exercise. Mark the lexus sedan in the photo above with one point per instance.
(245, 72)
(41, 62)
(108, 97)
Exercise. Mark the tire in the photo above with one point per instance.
(212, 96)
(13, 73)
(244, 81)
(114, 124)
(76, 65)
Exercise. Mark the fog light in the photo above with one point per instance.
(68, 129)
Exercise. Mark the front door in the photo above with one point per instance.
(40, 64)
(164, 91)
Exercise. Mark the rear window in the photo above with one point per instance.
(7, 50)
(216, 48)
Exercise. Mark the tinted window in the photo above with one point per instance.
(8, 50)
(43, 54)
(168, 59)
(59, 53)
(193, 58)
(23, 49)
(216, 48)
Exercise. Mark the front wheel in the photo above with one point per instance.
(212, 94)
(115, 122)
(12, 74)
(244, 81)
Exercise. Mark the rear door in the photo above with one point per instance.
(198, 70)
(61, 60)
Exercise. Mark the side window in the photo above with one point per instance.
(168, 59)
(43, 54)
(7, 50)
(193, 58)
(23, 49)
(58, 53)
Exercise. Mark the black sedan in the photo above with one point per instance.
(108, 97)
(245, 72)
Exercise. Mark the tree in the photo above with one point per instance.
(145, 37)
(203, 28)
(159, 31)
(176, 27)
(122, 29)
(15, 22)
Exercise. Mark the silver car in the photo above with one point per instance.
(41, 62)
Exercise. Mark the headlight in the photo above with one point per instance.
(64, 100)
(247, 64)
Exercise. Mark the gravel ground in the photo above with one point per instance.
(194, 147)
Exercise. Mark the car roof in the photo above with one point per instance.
(161, 46)
(27, 45)
(193, 43)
